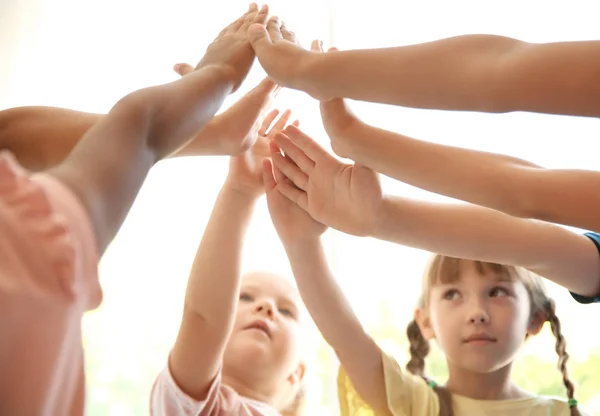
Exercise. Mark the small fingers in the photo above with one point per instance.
(268, 178)
(183, 69)
(316, 46)
(235, 26)
(288, 34)
(299, 158)
(289, 169)
(280, 123)
(291, 192)
(267, 122)
(274, 28)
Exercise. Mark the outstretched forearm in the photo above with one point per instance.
(472, 232)
(504, 183)
(212, 294)
(42, 137)
(332, 313)
(474, 73)
(491, 180)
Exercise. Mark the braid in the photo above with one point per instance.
(563, 356)
(419, 349)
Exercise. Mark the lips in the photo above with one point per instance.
(479, 338)
(261, 326)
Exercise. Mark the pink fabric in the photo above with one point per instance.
(167, 399)
(48, 279)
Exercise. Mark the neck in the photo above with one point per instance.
(248, 388)
(496, 385)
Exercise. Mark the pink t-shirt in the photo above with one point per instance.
(48, 279)
(167, 399)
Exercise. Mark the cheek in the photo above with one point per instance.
(290, 339)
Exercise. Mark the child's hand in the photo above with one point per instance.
(278, 52)
(231, 49)
(235, 130)
(291, 222)
(344, 197)
(245, 170)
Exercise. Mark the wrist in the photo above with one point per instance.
(306, 75)
(241, 191)
(221, 73)
(302, 246)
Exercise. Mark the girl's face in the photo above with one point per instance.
(480, 320)
(267, 335)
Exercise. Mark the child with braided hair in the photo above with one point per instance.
(448, 272)
(480, 313)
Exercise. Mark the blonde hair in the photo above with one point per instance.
(443, 269)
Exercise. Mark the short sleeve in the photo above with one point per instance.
(167, 398)
(47, 243)
(595, 237)
(407, 395)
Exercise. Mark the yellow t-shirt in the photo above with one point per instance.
(409, 395)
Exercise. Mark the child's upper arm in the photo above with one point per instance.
(405, 394)
(192, 361)
(47, 239)
(365, 369)
(108, 166)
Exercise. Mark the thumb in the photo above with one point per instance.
(258, 37)
(268, 178)
(183, 69)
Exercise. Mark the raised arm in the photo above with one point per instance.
(499, 182)
(348, 198)
(214, 284)
(42, 137)
(108, 166)
(300, 234)
(472, 72)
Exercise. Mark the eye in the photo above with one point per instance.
(451, 294)
(286, 312)
(244, 297)
(499, 291)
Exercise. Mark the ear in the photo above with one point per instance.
(536, 323)
(298, 375)
(424, 321)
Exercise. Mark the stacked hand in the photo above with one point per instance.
(343, 196)
(231, 50)
(245, 170)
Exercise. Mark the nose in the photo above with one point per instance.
(265, 307)
(478, 314)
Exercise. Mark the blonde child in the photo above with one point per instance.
(480, 314)
(54, 226)
(238, 351)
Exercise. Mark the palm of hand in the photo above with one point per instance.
(345, 197)
(242, 121)
(245, 170)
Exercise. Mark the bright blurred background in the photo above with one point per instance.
(85, 55)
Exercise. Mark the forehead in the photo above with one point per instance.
(271, 284)
(451, 270)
